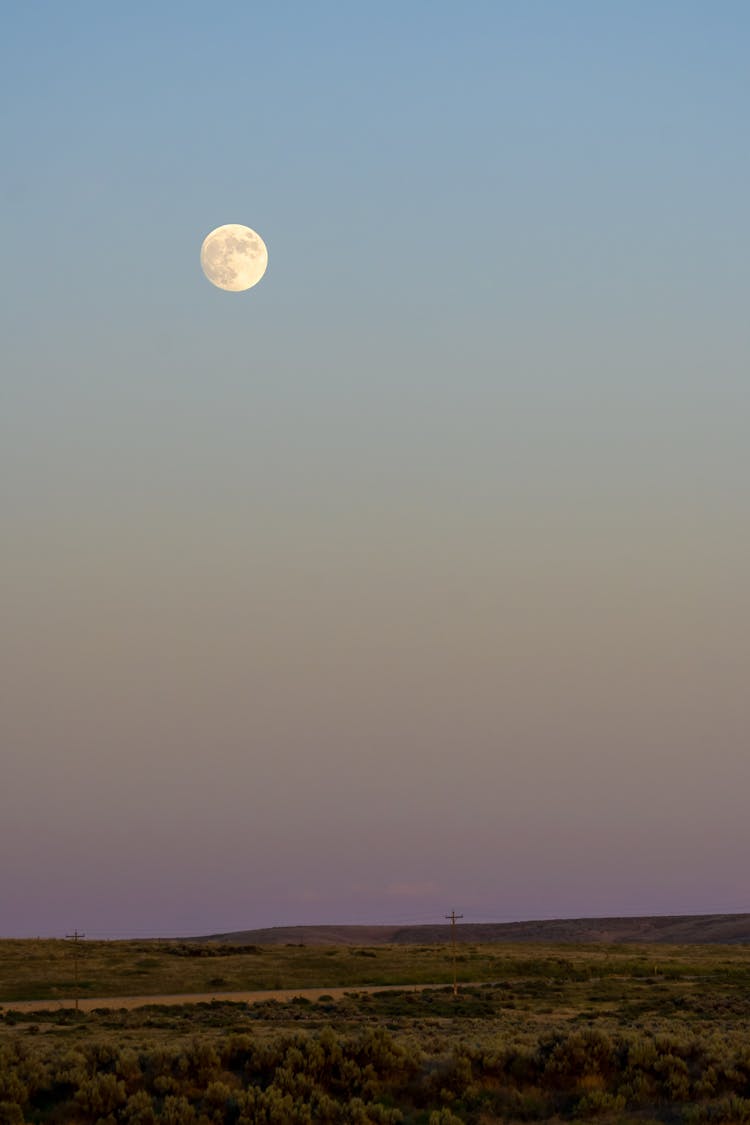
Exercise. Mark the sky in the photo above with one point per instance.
(413, 579)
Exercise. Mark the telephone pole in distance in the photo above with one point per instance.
(452, 918)
(76, 938)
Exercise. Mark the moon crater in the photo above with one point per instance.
(234, 257)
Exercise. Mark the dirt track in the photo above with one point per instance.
(88, 1004)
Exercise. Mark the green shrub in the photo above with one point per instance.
(177, 1111)
(100, 1095)
(139, 1109)
(599, 1101)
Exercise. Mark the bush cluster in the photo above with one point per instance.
(374, 1076)
(294, 1079)
(206, 949)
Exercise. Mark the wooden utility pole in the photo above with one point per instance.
(452, 917)
(76, 938)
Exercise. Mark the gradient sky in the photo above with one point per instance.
(416, 577)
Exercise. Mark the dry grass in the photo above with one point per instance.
(45, 969)
(621, 1034)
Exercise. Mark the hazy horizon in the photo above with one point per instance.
(443, 920)
(414, 578)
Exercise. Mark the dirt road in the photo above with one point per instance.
(89, 1003)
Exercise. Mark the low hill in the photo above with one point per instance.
(705, 929)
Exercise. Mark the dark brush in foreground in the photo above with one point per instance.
(603, 1035)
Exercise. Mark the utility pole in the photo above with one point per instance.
(76, 938)
(452, 919)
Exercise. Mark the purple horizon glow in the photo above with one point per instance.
(415, 578)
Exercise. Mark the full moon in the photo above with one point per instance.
(234, 257)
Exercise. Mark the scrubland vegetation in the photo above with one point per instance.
(612, 1034)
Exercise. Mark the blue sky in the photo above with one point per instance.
(444, 522)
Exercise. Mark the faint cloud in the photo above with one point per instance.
(411, 890)
(310, 896)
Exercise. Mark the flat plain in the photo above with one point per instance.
(617, 1033)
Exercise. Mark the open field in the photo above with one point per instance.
(46, 969)
(612, 1033)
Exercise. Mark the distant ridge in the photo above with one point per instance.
(682, 929)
